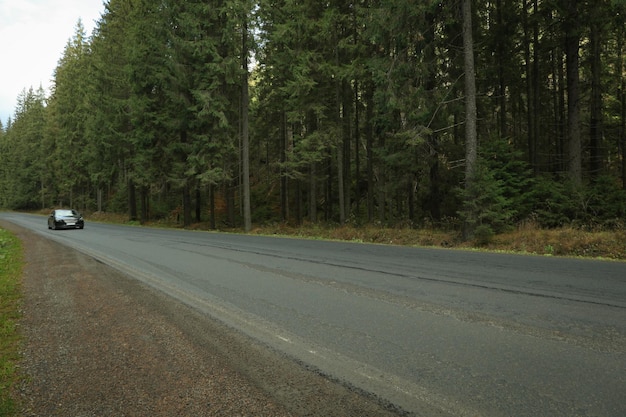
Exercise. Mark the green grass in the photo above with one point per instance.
(11, 263)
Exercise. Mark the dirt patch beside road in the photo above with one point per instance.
(98, 343)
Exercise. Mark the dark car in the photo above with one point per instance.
(65, 219)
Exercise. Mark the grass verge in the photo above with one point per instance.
(11, 263)
(566, 241)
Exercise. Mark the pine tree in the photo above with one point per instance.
(70, 111)
(109, 125)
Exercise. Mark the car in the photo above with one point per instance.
(65, 219)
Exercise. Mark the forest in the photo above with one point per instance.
(470, 115)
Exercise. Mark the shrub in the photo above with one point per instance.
(484, 203)
(483, 235)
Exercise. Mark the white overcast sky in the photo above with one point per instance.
(33, 34)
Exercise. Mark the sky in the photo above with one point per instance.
(33, 34)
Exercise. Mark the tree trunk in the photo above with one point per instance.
(284, 195)
(312, 192)
(186, 206)
(132, 201)
(99, 197)
(330, 178)
(471, 139)
(433, 203)
(622, 99)
(198, 205)
(369, 144)
(340, 183)
(144, 201)
(536, 93)
(357, 155)
(500, 53)
(595, 124)
(560, 113)
(299, 215)
(382, 185)
(230, 202)
(245, 140)
(346, 114)
(572, 45)
(212, 207)
(623, 132)
(531, 102)
(340, 146)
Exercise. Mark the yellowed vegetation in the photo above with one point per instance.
(566, 241)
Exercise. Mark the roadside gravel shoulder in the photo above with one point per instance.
(99, 343)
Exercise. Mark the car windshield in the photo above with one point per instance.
(66, 213)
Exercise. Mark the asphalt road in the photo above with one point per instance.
(436, 332)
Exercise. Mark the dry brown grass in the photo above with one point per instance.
(101, 216)
(566, 241)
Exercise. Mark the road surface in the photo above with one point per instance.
(435, 332)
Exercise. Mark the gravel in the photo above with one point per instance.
(99, 343)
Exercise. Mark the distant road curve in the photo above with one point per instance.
(436, 332)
